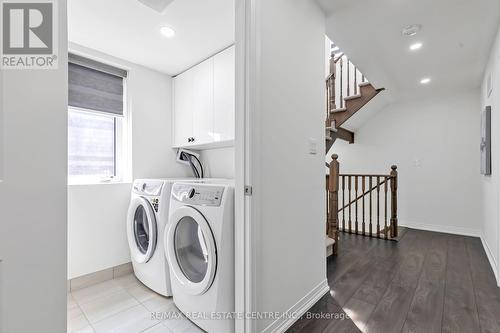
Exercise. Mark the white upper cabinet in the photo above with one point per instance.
(224, 95)
(183, 105)
(204, 103)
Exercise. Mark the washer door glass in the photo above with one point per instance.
(191, 249)
(142, 229)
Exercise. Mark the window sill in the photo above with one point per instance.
(92, 183)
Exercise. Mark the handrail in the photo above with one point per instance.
(363, 175)
(338, 58)
(330, 76)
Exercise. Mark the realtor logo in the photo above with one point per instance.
(28, 35)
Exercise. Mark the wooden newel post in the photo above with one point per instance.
(333, 189)
(394, 201)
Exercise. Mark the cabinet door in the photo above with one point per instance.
(183, 109)
(203, 102)
(224, 95)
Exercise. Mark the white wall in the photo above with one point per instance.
(97, 213)
(287, 206)
(434, 143)
(33, 196)
(1, 125)
(219, 162)
(490, 185)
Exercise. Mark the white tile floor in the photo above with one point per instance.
(123, 305)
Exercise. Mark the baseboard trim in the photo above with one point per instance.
(91, 279)
(299, 308)
(440, 228)
(491, 258)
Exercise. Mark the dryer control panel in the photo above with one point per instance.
(198, 195)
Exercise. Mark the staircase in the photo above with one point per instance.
(347, 91)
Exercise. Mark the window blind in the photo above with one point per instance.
(95, 86)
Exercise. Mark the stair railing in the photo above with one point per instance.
(342, 81)
(347, 91)
(362, 196)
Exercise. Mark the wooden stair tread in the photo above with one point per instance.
(348, 98)
(338, 110)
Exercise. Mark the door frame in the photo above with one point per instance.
(247, 43)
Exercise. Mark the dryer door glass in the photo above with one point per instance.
(191, 249)
(141, 229)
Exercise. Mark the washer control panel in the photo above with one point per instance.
(198, 195)
(148, 187)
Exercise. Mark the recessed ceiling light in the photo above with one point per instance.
(167, 32)
(415, 46)
(411, 30)
(425, 80)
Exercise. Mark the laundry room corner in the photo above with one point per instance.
(97, 211)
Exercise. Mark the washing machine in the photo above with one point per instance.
(199, 245)
(146, 222)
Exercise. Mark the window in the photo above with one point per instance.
(91, 145)
(97, 138)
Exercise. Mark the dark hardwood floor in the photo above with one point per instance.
(427, 282)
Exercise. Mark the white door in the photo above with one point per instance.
(191, 250)
(224, 95)
(203, 102)
(183, 109)
(141, 230)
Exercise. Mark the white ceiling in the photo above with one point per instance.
(129, 30)
(457, 36)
